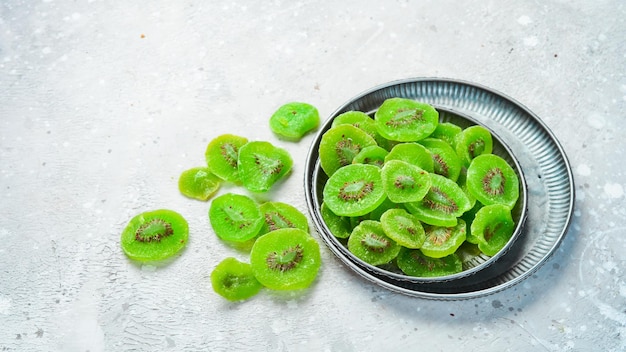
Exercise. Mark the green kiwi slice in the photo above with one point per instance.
(354, 190)
(261, 165)
(443, 241)
(412, 153)
(472, 142)
(154, 235)
(404, 228)
(221, 156)
(492, 180)
(446, 131)
(234, 280)
(339, 145)
(446, 161)
(493, 226)
(293, 120)
(369, 243)
(414, 263)
(278, 215)
(442, 205)
(235, 217)
(362, 121)
(405, 120)
(339, 226)
(285, 259)
(372, 155)
(198, 183)
(404, 182)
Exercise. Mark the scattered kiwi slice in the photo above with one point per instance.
(235, 217)
(221, 156)
(340, 144)
(443, 241)
(154, 235)
(372, 155)
(234, 280)
(403, 228)
(370, 243)
(472, 142)
(278, 215)
(293, 120)
(261, 165)
(405, 120)
(198, 183)
(404, 182)
(412, 153)
(492, 180)
(354, 190)
(414, 263)
(285, 259)
(493, 227)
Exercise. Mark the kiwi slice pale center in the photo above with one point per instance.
(440, 235)
(436, 199)
(267, 165)
(354, 191)
(285, 260)
(347, 150)
(493, 182)
(404, 182)
(375, 242)
(404, 117)
(230, 153)
(153, 231)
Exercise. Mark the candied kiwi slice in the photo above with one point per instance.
(154, 235)
(369, 243)
(362, 121)
(235, 217)
(278, 215)
(372, 155)
(340, 144)
(446, 161)
(493, 226)
(442, 205)
(405, 120)
(446, 131)
(293, 120)
(198, 183)
(472, 142)
(354, 190)
(443, 241)
(285, 259)
(492, 180)
(403, 228)
(404, 182)
(339, 226)
(234, 280)
(261, 165)
(414, 263)
(221, 156)
(412, 153)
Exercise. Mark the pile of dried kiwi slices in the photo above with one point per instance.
(409, 191)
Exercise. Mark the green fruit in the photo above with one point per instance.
(443, 241)
(372, 155)
(369, 243)
(404, 182)
(279, 215)
(446, 161)
(442, 205)
(234, 280)
(405, 120)
(472, 142)
(235, 217)
(383, 207)
(446, 131)
(285, 259)
(154, 235)
(414, 263)
(222, 154)
(339, 145)
(412, 153)
(493, 225)
(293, 120)
(362, 121)
(339, 226)
(404, 228)
(261, 165)
(492, 180)
(354, 190)
(198, 183)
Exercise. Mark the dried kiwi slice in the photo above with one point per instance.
(285, 259)
(472, 142)
(493, 226)
(372, 155)
(414, 263)
(354, 190)
(446, 131)
(234, 280)
(221, 156)
(261, 165)
(362, 121)
(235, 217)
(492, 180)
(442, 205)
(198, 183)
(405, 120)
(446, 161)
(443, 241)
(339, 226)
(293, 120)
(404, 182)
(403, 228)
(154, 235)
(412, 153)
(278, 215)
(339, 145)
(369, 243)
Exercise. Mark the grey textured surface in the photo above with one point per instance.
(102, 106)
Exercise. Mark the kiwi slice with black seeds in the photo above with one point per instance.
(339, 145)
(445, 160)
(403, 228)
(235, 217)
(279, 215)
(492, 180)
(404, 182)
(221, 156)
(405, 120)
(262, 164)
(354, 190)
(493, 226)
(369, 243)
(442, 241)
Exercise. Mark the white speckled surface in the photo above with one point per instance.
(102, 106)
